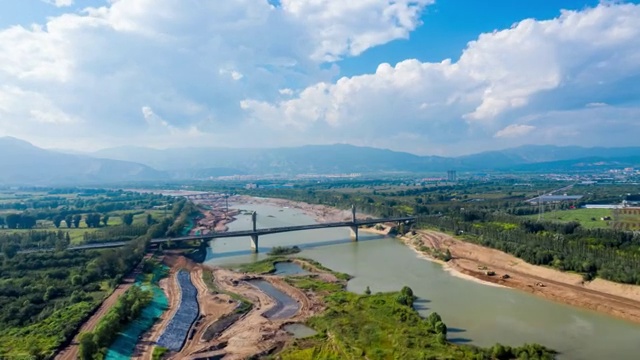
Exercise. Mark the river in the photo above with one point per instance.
(475, 313)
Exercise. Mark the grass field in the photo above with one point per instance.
(77, 234)
(583, 216)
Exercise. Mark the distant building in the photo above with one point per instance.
(602, 206)
(251, 186)
(554, 198)
(452, 176)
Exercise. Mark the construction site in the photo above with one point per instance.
(216, 313)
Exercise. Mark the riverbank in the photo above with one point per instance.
(321, 213)
(475, 262)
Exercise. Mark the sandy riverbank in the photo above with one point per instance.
(321, 213)
(469, 261)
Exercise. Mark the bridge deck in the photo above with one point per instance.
(247, 233)
(277, 230)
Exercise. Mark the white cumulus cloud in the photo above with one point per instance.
(515, 130)
(182, 58)
(533, 68)
(246, 73)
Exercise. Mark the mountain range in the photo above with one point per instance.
(24, 163)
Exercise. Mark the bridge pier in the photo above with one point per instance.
(254, 243)
(353, 230)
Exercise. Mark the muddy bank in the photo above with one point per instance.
(494, 267)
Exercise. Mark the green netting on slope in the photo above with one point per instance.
(188, 226)
(124, 345)
(126, 341)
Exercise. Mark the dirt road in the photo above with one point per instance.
(470, 259)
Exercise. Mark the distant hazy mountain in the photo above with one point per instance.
(298, 160)
(348, 159)
(530, 154)
(579, 165)
(25, 164)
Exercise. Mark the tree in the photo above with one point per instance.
(27, 221)
(407, 291)
(68, 220)
(499, 352)
(127, 219)
(367, 291)
(76, 280)
(150, 220)
(105, 219)
(92, 220)
(57, 220)
(433, 319)
(9, 250)
(76, 220)
(87, 346)
(2, 222)
(441, 328)
(13, 220)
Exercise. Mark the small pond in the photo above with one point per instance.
(285, 306)
(289, 268)
(300, 331)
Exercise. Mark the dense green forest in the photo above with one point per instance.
(45, 296)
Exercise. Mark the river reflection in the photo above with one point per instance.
(474, 313)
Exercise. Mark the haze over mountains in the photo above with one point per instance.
(26, 164)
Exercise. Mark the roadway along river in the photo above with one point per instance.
(474, 313)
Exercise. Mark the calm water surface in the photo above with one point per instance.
(475, 313)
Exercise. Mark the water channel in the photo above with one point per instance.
(475, 313)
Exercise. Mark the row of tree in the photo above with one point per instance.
(94, 344)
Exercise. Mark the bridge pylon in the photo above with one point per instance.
(254, 237)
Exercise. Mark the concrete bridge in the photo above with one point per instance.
(255, 233)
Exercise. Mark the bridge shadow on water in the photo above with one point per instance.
(310, 245)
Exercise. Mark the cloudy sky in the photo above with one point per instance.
(443, 77)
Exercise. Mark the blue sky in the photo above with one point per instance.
(449, 25)
(165, 73)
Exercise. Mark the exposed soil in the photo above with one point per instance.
(474, 261)
(253, 333)
(320, 213)
(212, 307)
